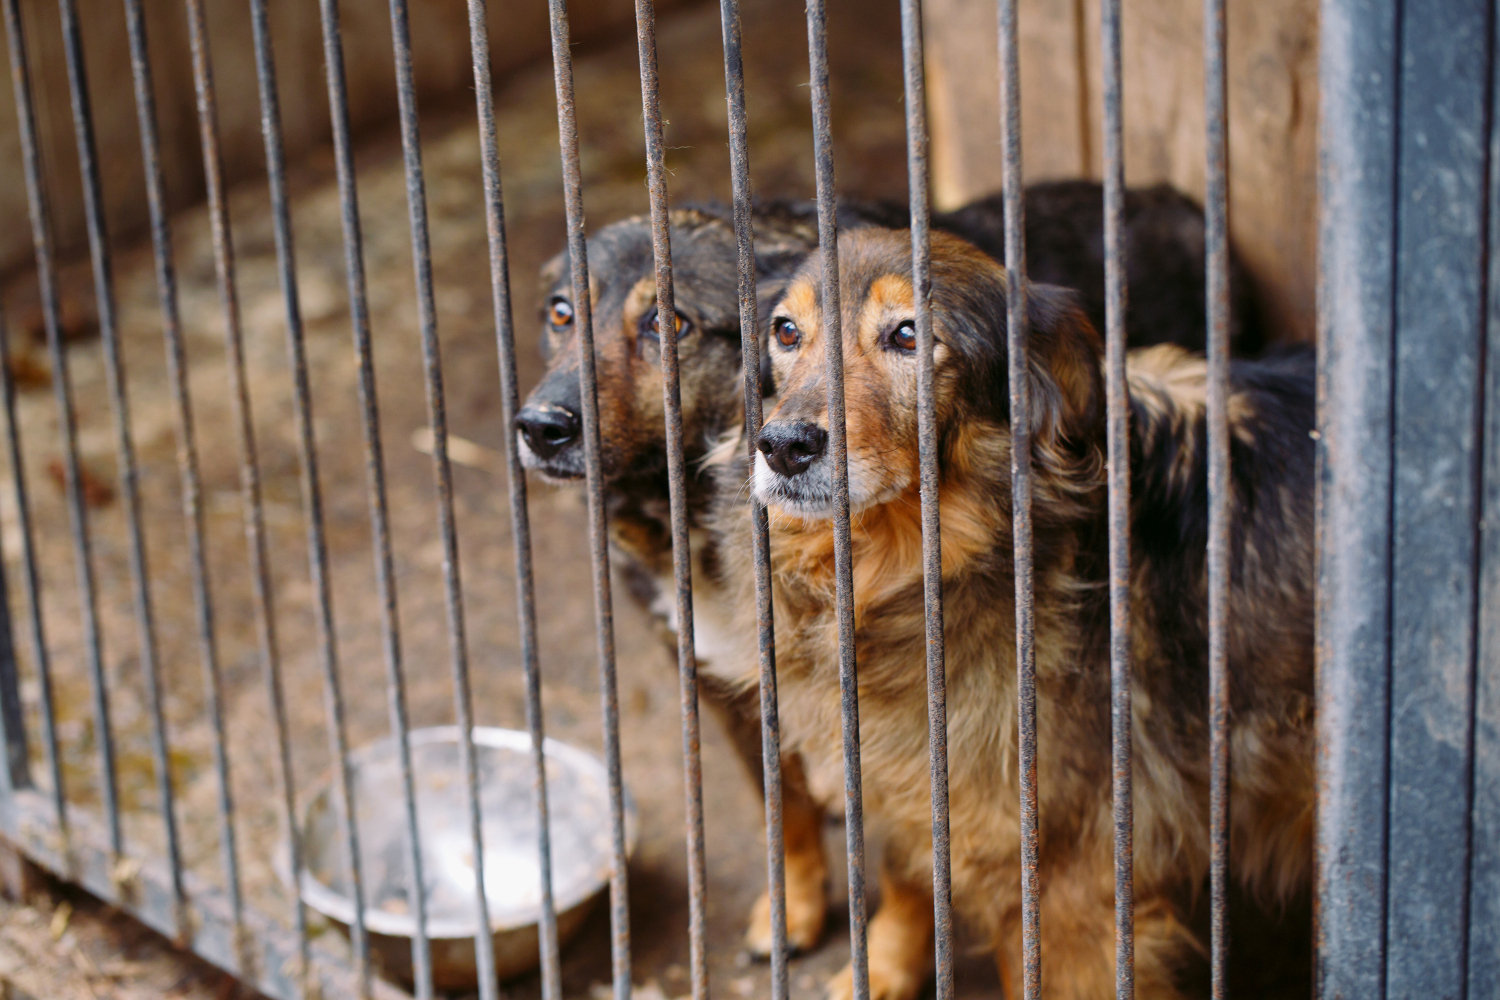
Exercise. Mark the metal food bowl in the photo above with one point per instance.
(577, 794)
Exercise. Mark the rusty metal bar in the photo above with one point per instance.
(260, 574)
(380, 531)
(770, 723)
(520, 522)
(16, 770)
(682, 564)
(567, 130)
(93, 201)
(1216, 212)
(187, 454)
(62, 388)
(1117, 406)
(927, 444)
(838, 452)
(58, 798)
(1020, 471)
(416, 203)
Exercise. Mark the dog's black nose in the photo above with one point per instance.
(548, 428)
(791, 448)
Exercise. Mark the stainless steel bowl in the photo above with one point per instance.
(577, 793)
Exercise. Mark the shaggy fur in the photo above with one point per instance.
(1065, 238)
(1270, 655)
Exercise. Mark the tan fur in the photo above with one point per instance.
(1271, 726)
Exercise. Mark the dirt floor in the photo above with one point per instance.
(871, 163)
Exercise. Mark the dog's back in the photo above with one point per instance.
(1272, 416)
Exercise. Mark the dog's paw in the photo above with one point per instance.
(806, 913)
(886, 983)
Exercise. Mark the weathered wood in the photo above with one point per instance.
(518, 35)
(1272, 116)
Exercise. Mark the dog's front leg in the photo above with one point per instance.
(899, 942)
(806, 869)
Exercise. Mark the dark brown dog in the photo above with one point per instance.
(1270, 641)
(1065, 244)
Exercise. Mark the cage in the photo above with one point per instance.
(230, 563)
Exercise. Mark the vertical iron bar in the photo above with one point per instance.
(17, 769)
(1117, 405)
(380, 530)
(16, 772)
(62, 388)
(770, 723)
(416, 203)
(23, 524)
(1216, 210)
(682, 571)
(1020, 471)
(927, 444)
(93, 201)
(567, 130)
(520, 521)
(250, 492)
(187, 453)
(838, 451)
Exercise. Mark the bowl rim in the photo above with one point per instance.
(321, 897)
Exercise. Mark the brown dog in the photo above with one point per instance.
(1270, 655)
(1064, 231)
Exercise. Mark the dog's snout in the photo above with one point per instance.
(547, 427)
(791, 447)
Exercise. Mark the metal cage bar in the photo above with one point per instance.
(62, 389)
(380, 525)
(1020, 469)
(1446, 81)
(99, 251)
(21, 88)
(33, 586)
(1216, 212)
(1358, 84)
(682, 563)
(416, 203)
(927, 446)
(567, 130)
(838, 452)
(1117, 405)
(224, 272)
(770, 725)
(187, 458)
(520, 522)
(16, 770)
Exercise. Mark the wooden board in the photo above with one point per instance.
(1272, 107)
(440, 36)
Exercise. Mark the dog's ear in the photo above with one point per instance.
(1067, 390)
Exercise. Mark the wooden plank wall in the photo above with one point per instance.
(1273, 47)
(519, 35)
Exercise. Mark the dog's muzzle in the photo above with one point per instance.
(548, 432)
(791, 448)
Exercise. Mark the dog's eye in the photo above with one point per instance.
(787, 334)
(651, 324)
(904, 337)
(559, 313)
